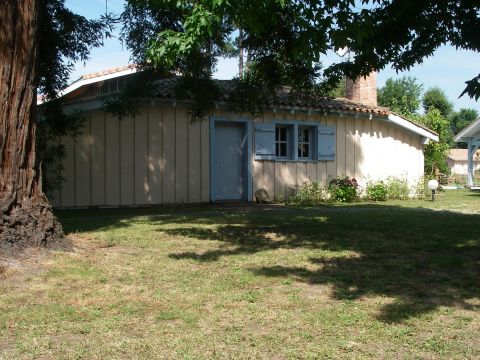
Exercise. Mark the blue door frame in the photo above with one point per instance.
(247, 127)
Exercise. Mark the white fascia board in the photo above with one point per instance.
(468, 132)
(412, 127)
(82, 82)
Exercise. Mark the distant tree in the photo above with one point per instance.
(461, 119)
(339, 90)
(436, 98)
(436, 152)
(401, 95)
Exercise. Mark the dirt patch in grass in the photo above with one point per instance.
(17, 264)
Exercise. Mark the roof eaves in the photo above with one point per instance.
(413, 126)
(475, 125)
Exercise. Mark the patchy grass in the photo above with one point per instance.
(395, 279)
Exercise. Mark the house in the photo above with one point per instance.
(471, 136)
(457, 161)
(162, 156)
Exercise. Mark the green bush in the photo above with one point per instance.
(310, 194)
(377, 191)
(344, 189)
(397, 188)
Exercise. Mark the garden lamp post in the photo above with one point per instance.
(433, 185)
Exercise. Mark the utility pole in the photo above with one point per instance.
(240, 55)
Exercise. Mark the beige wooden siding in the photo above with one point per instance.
(205, 160)
(181, 155)
(112, 164)
(169, 155)
(367, 149)
(159, 156)
(155, 155)
(98, 158)
(127, 156)
(67, 194)
(194, 162)
(141, 159)
(83, 194)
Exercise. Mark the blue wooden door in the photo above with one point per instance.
(229, 161)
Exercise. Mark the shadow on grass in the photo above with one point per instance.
(421, 258)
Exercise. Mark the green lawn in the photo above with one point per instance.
(368, 280)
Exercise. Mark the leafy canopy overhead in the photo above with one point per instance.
(64, 39)
(284, 39)
(436, 98)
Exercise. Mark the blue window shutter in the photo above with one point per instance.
(265, 141)
(326, 142)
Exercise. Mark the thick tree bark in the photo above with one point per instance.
(26, 217)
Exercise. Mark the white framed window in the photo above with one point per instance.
(282, 143)
(294, 141)
(305, 143)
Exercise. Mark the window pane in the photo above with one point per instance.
(300, 150)
(283, 149)
(277, 134)
(306, 152)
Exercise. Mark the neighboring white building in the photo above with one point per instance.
(457, 161)
(471, 136)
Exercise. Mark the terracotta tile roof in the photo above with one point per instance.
(107, 72)
(165, 88)
(462, 155)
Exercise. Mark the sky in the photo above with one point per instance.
(448, 68)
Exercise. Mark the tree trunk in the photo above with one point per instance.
(26, 217)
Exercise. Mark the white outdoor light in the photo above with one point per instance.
(433, 185)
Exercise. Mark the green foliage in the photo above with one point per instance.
(283, 39)
(64, 38)
(54, 124)
(401, 95)
(403, 33)
(436, 152)
(473, 87)
(461, 119)
(436, 98)
(397, 188)
(310, 194)
(377, 191)
(344, 189)
(421, 188)
(339, 90)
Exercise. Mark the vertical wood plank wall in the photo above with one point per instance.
(161, 156)
(366, 149)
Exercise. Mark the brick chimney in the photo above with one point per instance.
(363, 90)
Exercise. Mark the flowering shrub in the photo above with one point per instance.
(397, 188)
(310, 194)
(343, 189)
(377, 191)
